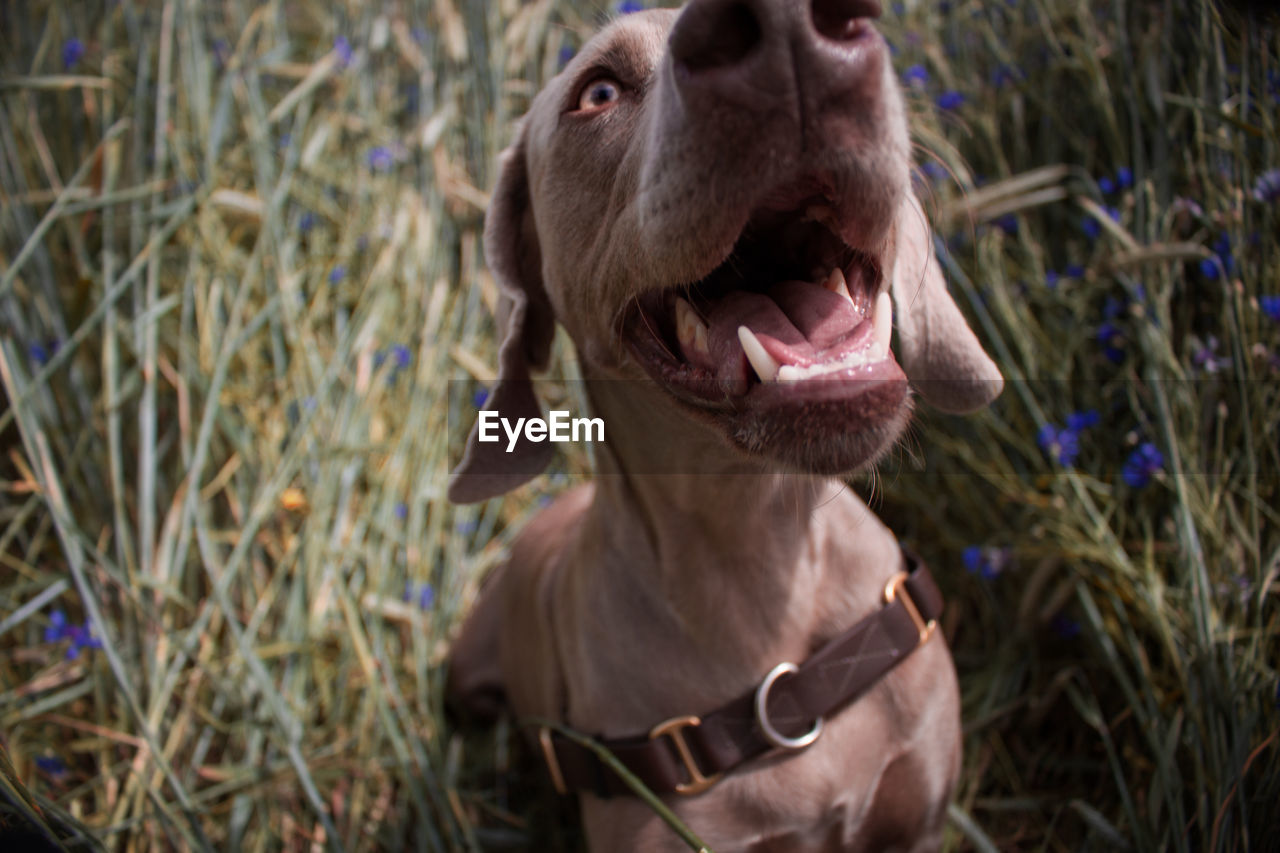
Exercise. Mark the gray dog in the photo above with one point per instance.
(716, 204)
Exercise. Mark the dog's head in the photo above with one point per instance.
(719, 200)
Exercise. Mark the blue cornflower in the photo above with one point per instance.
(1077, 421)
(337, 274)
(933, 170)
(39, 353)
(949, 100)
(1090, 227)
(916, 75)
(1124, 177)
(566, 53)
(985, 561)
(1111, 336)
(1222, 261)
(81, 638)
(480, 397)
(1107, 185)
(1051, 279)
(1267, 187)
(307, 222)
(1062, 444)
(627, 7)
(423, 594)
(1143, 463)
(1206, 358)
(342, 47)
(1065, 627)
(51, 764)
(1270, 306)
(1074, 271)
(1005, 74)
(402, 356)
(58, 627)
(402, 510)
(72, 52)
(380, 158)
(1008, 224)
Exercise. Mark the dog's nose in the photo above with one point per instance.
(752, 36)
(759, 53)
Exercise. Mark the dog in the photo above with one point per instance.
(716, 204)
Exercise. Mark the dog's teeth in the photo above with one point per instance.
(690, 329)
(765, 367)
(882, 326)
(835, 282)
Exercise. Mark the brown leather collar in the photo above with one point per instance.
(687, 755)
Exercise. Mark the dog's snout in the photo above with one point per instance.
(715, 34)
(762, 55)
(840, 20)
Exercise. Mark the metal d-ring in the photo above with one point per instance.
(771, 734)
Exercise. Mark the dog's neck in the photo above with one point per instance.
(783, 554)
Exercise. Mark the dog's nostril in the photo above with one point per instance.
(715, 34)
(841, 20)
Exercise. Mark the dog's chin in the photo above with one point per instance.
(784, 347)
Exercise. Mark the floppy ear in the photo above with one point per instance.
(936, 348)
(527, 324)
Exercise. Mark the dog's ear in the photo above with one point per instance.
(936, 347)
(527, 324)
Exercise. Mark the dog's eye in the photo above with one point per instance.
(600, 92)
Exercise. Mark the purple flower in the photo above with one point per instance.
(1065, 627)
(566, 53)
(917, 75)
(402, 510)
(1270, 306)
(81, 638)
(480, 397)
(1077, 421)
(307, 222)
(51, 764)
(381, 159)
(72, 52)
(1111, 337)
(628, 7)
(342, 47)
(337, 274)
(1075, 271)
(402, 356)
(1267, 187)
(1008, 224)
(949, 100)
(1051, 279)
(57, 629)
(985, 561)
(39, 353)
(1061, 444)
(933, 170)
(1143, 463)
(1206, 358)
(1006, 74)
(1107, 185)
(1124, 177)
(423, 594)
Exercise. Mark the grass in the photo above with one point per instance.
(245, 313)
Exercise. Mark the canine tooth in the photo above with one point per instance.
(836, 283)
(765, 367)
(882, 325)
(690, 329)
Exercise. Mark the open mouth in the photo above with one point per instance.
(793, 316)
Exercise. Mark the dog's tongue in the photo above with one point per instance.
(797, 322)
